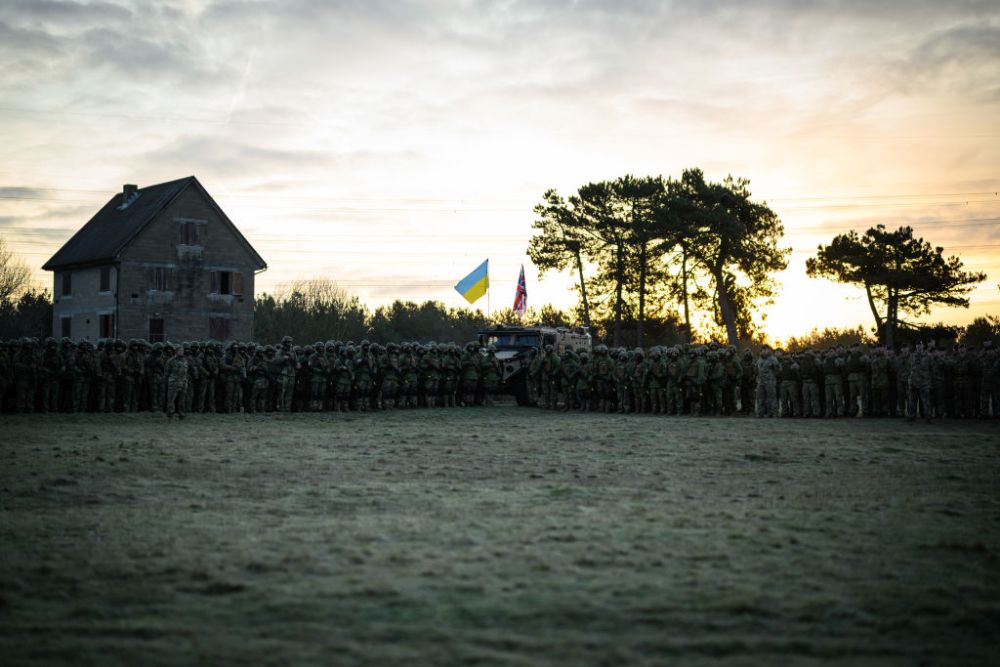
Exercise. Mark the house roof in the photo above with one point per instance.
(112, 228)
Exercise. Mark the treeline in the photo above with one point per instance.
(318, 310)
(314, 310)
(24, 309)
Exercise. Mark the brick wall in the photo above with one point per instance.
(84, 305)
(158, 259)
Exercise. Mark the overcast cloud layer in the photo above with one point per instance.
(394, 145)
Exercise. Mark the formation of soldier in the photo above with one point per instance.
(115, 376)
(715, 380)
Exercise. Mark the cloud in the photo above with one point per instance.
(964, 59)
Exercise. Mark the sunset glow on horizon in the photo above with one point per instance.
(393, 146)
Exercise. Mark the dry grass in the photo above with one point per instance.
(496, 536)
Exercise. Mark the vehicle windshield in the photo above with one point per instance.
(513, 340)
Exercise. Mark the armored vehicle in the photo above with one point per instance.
(513, 346)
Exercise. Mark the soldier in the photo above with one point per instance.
(492, 375)
(211, 355)
(570, 367)
(856, 365)
(105, 382)
(156, 379)
(586, 380)
(748, 383)
(178, 377)
(84, 370)
(901, 369)
(655, 374)
(362, 378)
(231, 373)
(919, 384)
(551, 377)
(70, 377)
(788, 385)
(25, 376)
(622, 380)
(534, 377)
(833, 384)
(990, 401)
(639, 382)
(391, 372)
(694, 378)
(811, 375)
(258, 380)
(715, 383)
(732, 381)
(768, 367)
(51, 372)
(966, 383)
(603, 372)
(880, 372)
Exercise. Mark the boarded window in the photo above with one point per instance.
(238, 283)
(156, 330)
(218, 328)
(105, 279)
(107, 325)
(66, 324)
(160, 278)
(67, 283)
(189, 233)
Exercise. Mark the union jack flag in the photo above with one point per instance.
(521, 295)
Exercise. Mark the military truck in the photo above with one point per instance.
(513, 345)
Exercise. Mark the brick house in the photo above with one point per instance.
(162, 262)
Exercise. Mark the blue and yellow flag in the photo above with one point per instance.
(476, 283)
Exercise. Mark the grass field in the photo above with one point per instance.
(497, 536)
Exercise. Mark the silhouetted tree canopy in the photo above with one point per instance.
(899, 273)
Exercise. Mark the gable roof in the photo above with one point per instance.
(112, 228)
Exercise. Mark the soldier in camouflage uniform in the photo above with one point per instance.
(492, 375)
(232, 370)
(966, 383)
(639, 382)
(551, 377)
(84, 369)
(833, 384)
(534, 377)
(880, 373)
(70, 377)
(789, 390)
(178, 377)
(621, 378)
(695, 376)
(812, 375)
(51, 372)
(257, 374)
(25, 376)
(391, 374)
(570, 368)
(604, 381)
(901, 370)
(768, 367)
(856, 365)
(586, 381)
(919, 384)
(748, 383)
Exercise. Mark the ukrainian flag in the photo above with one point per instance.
(476, 283)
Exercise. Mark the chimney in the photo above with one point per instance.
(129, 193)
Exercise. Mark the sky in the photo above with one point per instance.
(392, 146)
